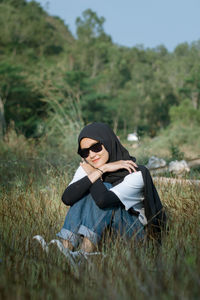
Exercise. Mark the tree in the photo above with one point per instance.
(185, 113)
(88, 102)
(15, 3)
(191, 86)
(18, 100)
(31, 31)
(93, 43)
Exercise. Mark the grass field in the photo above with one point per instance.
(30, 204)
(32, 180)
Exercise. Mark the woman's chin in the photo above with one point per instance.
(97, 163)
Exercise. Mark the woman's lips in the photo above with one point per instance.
(95, 160)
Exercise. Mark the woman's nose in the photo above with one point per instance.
(92, 154)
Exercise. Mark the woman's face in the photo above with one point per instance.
(96, 159)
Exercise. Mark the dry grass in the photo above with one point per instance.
(33, 206)
(32, 182)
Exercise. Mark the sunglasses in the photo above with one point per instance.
(94, 148)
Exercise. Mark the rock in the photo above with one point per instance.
(178, 167)
(132, 137)
(156, 162)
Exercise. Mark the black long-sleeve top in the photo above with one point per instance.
(101, 195)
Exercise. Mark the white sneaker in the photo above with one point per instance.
(72, 256)
(42, 242)
(67, 253)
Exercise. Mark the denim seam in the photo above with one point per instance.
(138, 229)
(99, 221)
(130, 225)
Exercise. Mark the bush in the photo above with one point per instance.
(175, 152)
(185, 113)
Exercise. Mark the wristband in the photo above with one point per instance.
(100, 170)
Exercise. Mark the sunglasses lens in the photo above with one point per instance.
(94, 148)
(84, 153)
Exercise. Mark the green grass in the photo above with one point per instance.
(32, 181)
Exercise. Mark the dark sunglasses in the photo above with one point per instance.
(94, 148)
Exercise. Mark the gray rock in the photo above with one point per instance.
(156, 162)
(179, 167)
(132, 137)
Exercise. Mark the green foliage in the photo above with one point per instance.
(15, 3)
(31, 31)
(191, 87)
(90, 26)
(87, 100)
(21, 103)
(184, 138)
(89, 78)
(175, 152)
(185, 113)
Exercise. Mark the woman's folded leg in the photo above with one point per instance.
(128, 225)
(86, 219)
(69, 231)
(94, 221)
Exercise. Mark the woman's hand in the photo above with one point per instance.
(92, 172)
(96, 173)
(86, 167)
(129, 165)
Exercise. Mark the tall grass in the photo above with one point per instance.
(30, 204)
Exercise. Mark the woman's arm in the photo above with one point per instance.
(75, 191)
(103, 197)
(80, 184)
(129, 192)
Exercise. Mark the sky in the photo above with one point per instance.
(136, 22)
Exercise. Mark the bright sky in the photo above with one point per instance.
(135, 22)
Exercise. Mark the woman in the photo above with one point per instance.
(108, 189)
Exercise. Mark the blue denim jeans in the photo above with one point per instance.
(87, 219)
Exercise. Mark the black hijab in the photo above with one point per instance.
(104, 134)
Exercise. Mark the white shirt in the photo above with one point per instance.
(129, 191)
(79, 174)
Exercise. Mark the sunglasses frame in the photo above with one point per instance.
(87, 150)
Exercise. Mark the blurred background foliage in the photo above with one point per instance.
(51, 82)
